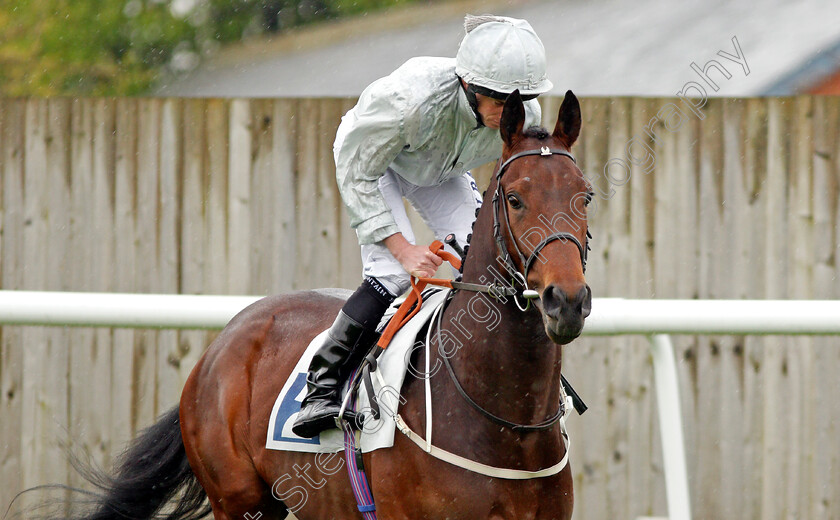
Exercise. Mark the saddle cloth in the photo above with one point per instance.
(392, 366)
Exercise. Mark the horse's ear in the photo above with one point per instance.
(513, 117)
(567, 128)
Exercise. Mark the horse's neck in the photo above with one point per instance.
(501, 355)
(502, 358)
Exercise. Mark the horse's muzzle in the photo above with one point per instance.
(564, 314)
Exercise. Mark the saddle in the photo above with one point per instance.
(391, 365)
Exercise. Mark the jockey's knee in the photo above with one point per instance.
(396, 283)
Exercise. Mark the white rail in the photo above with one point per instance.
(610, 316)
(164, 311)
(753, 317)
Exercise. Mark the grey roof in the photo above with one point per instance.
(596, 47)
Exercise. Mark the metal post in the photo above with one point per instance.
(671, 427)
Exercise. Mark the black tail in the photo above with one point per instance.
(150, 473)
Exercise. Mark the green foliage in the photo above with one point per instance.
(120, 47)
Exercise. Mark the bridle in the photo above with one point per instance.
(521, 277)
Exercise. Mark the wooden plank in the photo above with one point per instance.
(776, 419)
(642, 229)
(328, 201)
(263, 206)
(3, 123)
(284, 159)
(684, 266)
(11, 277)
(126, 259)
(168, 388)
(754, 161)
(102, 218)
(825, 502)
(216, 167)
(799, 353)
(193, 254)
(834, 120)
(619, 385)
(825, 185)
(194, 180)
(730, 274)
(619, 382)
(102, 276)
(642, 474)
(239, 198)
(60, 138)
(706, 459)
(665, 211)
(680, 224)
(307, 193)
(148, 269)
(88, 404)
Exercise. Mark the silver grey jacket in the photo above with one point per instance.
(417, 122)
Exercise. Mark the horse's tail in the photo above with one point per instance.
(151, 472)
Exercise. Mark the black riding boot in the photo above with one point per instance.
(353, 332)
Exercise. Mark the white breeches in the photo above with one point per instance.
(446, 208)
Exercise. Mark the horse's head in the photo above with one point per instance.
(541, 198)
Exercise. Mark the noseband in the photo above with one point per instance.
(521, 277)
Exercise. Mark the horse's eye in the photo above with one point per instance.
(588, 198)
(514, 201)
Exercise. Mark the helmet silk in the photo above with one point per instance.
(502, 55)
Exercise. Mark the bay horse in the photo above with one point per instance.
(507, 360)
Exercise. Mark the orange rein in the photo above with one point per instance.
(403, 316)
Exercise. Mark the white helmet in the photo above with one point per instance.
(502, 54)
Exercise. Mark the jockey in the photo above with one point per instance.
(415, 134)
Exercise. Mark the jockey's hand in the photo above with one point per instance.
(418, 261)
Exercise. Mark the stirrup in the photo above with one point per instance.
(315, 425)
(355, 420)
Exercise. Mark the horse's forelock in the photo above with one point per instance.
(536, 132)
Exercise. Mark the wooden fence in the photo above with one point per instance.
(736, 200)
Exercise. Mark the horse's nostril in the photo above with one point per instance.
(556, 302)
(553, 300)
(584, 298)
